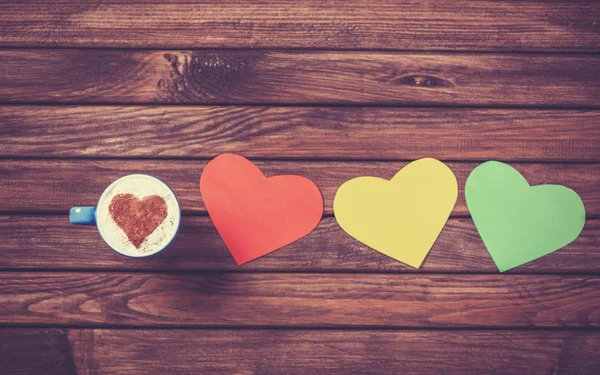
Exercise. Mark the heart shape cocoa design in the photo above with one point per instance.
(137, 218)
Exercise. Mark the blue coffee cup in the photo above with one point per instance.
(140, 186)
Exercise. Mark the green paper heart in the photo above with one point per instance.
(518, 222)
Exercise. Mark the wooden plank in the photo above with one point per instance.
(106, 351)
(50, 242)
(117, 76)
(307, 300)
(459, 25)
(300, 132)
(40, 351)
(57, 185)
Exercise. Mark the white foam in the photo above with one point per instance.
(140, 186)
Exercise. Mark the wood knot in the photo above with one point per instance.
(206, 76)
(423, 81)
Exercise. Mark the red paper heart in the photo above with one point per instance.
(137, 218)
(256, 215)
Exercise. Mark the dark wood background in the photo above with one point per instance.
(91, 91)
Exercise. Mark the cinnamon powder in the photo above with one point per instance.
(137, 218)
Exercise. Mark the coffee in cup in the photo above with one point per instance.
(137, 215)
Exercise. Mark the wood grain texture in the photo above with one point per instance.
(106, 351)
(50, 242)
(57, 185)
(113, 76)
(43, 351)
(293, 300)
(326, 303)
(538, 25)
(300, 132)
(365, 352)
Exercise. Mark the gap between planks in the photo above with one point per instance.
(337, 328)
(205, 160)
(310, 50)
(302, 105)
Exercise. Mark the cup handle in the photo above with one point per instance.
(83, 215)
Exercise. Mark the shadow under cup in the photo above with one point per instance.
(140, 186)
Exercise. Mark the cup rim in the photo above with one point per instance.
(138, 175)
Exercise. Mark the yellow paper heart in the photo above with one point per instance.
(400, 218)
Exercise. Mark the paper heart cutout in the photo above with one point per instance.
(400, 218)
(137, 218)
(518, 222)
(256, 215)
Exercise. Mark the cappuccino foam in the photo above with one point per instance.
(140, 186)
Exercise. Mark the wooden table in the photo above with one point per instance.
(330, 90)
